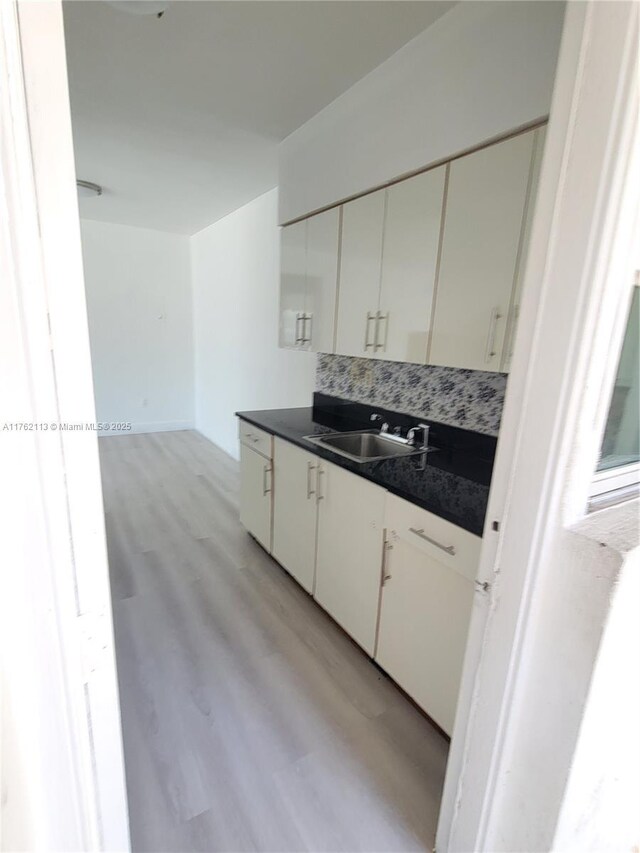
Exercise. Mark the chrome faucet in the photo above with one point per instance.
(411, 435)
(424, 447)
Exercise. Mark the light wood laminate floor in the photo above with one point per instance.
(250, 721)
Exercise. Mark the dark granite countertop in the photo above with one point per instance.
(456, 479)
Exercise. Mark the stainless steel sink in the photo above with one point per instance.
(363, 446)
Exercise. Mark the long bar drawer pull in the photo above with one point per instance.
(307, 318)
(450, 549)
(266, 471)
(310, 491)
(370, 318)
(490, 351)
(380, 317)
(386, 547)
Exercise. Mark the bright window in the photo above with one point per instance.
(618, 472)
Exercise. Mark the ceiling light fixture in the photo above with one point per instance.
(87, 189)
(141, 7)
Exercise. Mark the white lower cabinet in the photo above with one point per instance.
(349, 551)
(398, 579)
(295, 511)
(427, 594)
(256, 486)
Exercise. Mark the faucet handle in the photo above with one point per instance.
(411, 435)
(376, 417)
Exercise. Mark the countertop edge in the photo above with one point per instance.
(336, 459)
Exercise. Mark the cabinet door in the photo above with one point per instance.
(294, 511)
(323, 234)
(255, 495)
(538, 150)
(483, 224)
(425, 607)
(409, 260)
(360, 260)
(293, 252)
(349, 552)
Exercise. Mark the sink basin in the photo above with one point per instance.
(363, 446)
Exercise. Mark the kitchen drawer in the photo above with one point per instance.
(255, 438)
(443, 541)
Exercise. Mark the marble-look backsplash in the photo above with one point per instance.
(469, 399)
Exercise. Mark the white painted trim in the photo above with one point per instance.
(611, 479)
(571, 327)
(152, 426)
(70, 791)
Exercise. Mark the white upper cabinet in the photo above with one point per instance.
(323, 240)
(483, 229)
(430, 268)
(538, 149)
(360, 260)
(409, 261)
(308, 286)
(388, 265)
(293, 284)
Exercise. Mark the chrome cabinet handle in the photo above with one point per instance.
(367, 343)
(380, 317)
(307, 318)
(491, 338)
(386, 547)
(450, 549)
(310, 467)
(299, 325)
(266, 470)
(319, 496)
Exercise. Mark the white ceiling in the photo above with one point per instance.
(179, 118)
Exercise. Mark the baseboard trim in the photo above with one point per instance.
(157, 426)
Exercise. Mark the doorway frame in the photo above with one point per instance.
(63, 767)
(576, 293)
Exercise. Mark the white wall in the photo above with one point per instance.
(600, 806)
(236, 277)
(140, 321)
(476, 73)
